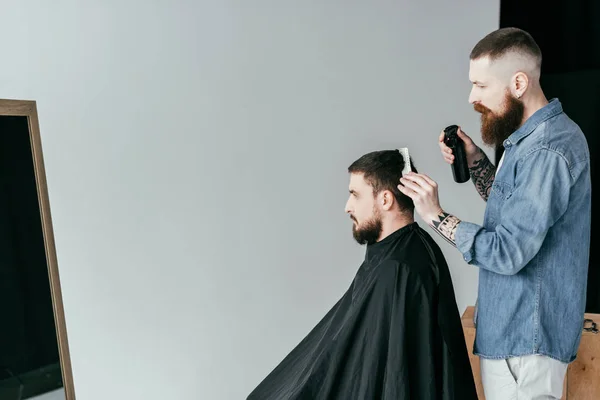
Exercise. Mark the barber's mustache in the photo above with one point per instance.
(481, 108)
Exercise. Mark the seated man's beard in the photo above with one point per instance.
(369, 231)
(495, 128)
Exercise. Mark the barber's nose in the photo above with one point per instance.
(472, 97)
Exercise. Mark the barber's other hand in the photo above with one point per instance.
(471, 149)
(424, 192)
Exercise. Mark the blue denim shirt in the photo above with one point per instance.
(533, 247)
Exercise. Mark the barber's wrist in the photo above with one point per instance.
(435, 216)
(475, 158)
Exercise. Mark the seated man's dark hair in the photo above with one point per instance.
(382, 170)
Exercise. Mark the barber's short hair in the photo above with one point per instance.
(498, 43)
(382, 170)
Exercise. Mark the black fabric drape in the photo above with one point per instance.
(27, 330)
(569, 37)
(394, 334)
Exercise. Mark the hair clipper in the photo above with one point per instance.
(407, 167)
(460, 167)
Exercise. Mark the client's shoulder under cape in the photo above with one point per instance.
(382, 339)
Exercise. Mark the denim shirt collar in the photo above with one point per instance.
(553, 108)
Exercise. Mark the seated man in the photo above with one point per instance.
(396, 332)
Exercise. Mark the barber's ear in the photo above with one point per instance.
(520, 84)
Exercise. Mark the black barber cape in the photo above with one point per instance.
(395, 334)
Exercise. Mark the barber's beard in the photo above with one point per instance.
(369, 231)
(495, 128)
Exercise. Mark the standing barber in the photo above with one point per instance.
(533, 246)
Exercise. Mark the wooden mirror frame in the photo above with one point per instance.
(28, 108)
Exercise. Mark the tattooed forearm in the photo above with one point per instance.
(482, 174)
(446, 225)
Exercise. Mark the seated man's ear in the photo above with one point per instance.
(387, 200)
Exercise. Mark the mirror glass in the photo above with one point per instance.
(30, 362)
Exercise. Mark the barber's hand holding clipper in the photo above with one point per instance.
(424, 191)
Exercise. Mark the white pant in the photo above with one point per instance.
(534, 377)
